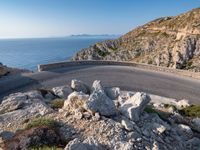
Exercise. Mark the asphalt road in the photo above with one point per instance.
(127, 78)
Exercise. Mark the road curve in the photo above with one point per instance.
(127, 78)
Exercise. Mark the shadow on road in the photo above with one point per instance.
(16, 83)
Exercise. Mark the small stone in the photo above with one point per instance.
(182, 103)
(127, 125)
(78, 115)
(66, 114)
(87, 115)
(158, 128)
(96, 117)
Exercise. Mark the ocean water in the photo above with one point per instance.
(28, 53)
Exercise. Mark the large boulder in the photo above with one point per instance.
(62, 91)
(75, 101)
(101, 103)
(88, 144)
(133, 107)
(80, 86)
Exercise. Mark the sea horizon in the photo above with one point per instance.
(27, 53)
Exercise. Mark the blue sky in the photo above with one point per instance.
(47, 18)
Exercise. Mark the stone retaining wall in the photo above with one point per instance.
(46, 67)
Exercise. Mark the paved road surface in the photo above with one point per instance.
(127, 78)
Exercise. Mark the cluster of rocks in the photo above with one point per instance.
(170, 42)
(95, 118)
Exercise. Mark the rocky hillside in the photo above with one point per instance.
(170, 41)
(82, 117)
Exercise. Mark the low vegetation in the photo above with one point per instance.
(41, 122)
(103, 53)
(57, 103)
(192, 111)
(151, 109)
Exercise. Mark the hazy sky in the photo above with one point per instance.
(46, 18)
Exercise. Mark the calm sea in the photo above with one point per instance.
(28, 53)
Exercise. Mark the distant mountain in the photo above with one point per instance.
(170, 41)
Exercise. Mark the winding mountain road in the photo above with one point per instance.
(127, 78)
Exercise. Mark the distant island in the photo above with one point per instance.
(94, 35)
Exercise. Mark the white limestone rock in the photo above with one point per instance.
(80, 86)
(182, 103)
(101, 103)
(62, 91)
(133, 107)
(75, 101)
(97, 86)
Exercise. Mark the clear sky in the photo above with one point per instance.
(47, 18)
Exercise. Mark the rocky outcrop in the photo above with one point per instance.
(170, 41)
(18, 107)
(104, 118)
(4, 70)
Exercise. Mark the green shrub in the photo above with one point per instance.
(57, 103)
(151, 109)
(191, 111)
(103, 53)
(41, 122)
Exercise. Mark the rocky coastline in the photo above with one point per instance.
(83, 117)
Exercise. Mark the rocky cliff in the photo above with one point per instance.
(170, 41)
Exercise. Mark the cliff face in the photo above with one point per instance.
(170, 41)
